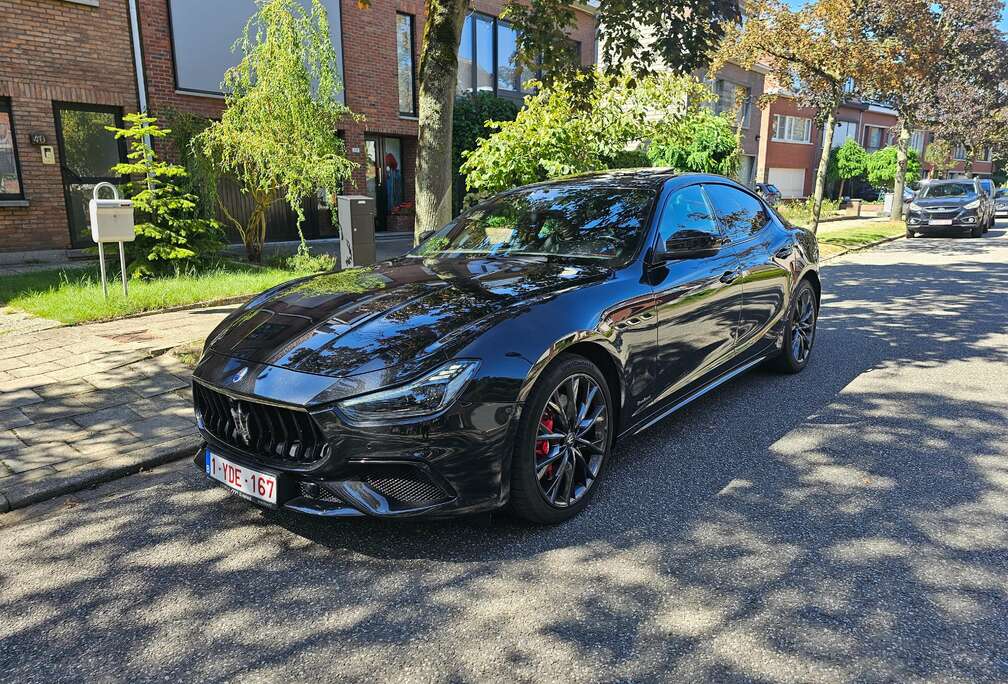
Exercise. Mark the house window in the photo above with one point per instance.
(959, 154)
(10, 169)
(729, 96)
(874, 138)
(917, 142)
(404, 60)
(487, 58)
(794, 129)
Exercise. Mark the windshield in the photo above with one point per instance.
(1002, 193)
(587, 222)
(772, 188)
(948, 190)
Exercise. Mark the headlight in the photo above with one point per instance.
(975, 204)
(914, 207)
(423, 397)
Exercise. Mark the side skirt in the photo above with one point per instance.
(720, 380)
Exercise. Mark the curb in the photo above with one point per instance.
(863, 247)
(30, 489)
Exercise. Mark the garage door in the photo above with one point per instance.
(791, 182)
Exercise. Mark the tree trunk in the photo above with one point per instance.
(901, 166)
(437, 78)
(254, 234)
(820, 181)
(840, 194)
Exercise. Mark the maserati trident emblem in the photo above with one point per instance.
(240, 415)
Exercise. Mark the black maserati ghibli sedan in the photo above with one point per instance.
(498, 362)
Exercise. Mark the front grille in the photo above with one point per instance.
(407, 488)
(271, 433)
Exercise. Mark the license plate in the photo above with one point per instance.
(243, 481)
(941, 222)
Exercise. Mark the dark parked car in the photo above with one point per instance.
(498, 362)
(769, 192)
(1001, 202)
(943, 206)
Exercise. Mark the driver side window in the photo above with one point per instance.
(686, 216)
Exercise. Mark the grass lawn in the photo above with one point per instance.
(75, 295)
(836, 237)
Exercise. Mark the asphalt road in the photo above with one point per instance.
(849, 523)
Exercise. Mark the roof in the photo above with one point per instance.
(647, 178)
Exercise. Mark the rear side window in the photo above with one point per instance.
(741, 214)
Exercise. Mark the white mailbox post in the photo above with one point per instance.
(111, 221)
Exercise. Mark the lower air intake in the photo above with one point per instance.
(408, 489)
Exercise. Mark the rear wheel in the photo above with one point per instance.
(799, 331)
(564, 441)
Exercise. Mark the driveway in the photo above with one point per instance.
(849, 523)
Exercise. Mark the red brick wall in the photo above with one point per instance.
(52, 50)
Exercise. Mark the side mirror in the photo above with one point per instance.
(690, 244)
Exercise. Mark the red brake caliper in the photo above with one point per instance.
(542, 446)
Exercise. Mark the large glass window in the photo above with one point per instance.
(574, 221)
(203, 32)
(404, 58)
(507, 49)
(465, 57)
(741, 214)
(10, 171)
(484, 53)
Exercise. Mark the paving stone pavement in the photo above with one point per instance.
(82, 404)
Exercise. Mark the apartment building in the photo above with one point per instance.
(791, 141)
(68, 68)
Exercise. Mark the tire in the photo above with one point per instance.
(977, 231)
(910, 234)
(791, 360)
(530, 495)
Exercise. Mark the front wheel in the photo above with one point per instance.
(799, 331)
(977, 231)
(910, 233)
(563, 444)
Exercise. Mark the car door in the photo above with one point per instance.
(697, 299)
(763, 248)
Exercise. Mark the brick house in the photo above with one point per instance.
(733, 84)
(790, 141)
(73, 61)
(66, 71)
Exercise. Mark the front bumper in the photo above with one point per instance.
(453, 463)
(924, 223)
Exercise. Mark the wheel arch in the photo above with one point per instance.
(813, 277)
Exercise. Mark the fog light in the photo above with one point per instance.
(971, 219)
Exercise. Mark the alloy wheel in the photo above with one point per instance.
(803, 326)
(571, 440)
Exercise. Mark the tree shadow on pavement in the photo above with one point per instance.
(848, 523)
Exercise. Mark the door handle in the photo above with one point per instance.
(783, 252)
(729, 277)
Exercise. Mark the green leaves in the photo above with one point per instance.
(848, 161)
(170, 236)
(882, 167)
(703, 142)
(279, 131)
(577, 125)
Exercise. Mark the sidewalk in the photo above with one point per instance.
(81, 405)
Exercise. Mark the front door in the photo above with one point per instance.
(87, 154)
(384, 178)
(698, 301)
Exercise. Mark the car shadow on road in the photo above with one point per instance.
(847, 523)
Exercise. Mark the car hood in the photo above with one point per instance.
(397, 313)
(940, 202)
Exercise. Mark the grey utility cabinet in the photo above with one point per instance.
(357, 230)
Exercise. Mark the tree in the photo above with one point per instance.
(947, 64)
(939, 154)
(637, 34)
(821, 53)
(883, 166)
(849, 161)
(170, 234)
(278, 133)
(469, 125)
(577, 125)
(703, 142)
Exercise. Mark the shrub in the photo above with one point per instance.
(303, 261)
(703, 142)
(882, 168)
(799, 212)
(170, 235)
(472, 113)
